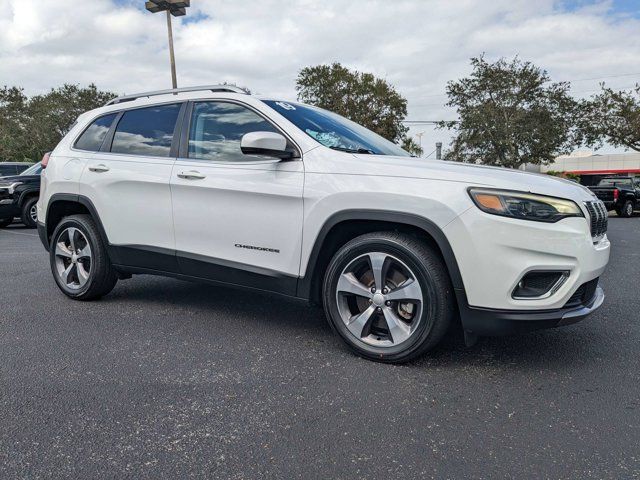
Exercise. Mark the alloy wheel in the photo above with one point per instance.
(33, 213)
(73, 258)
(379, 299)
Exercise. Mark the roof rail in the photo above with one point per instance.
(212, 88)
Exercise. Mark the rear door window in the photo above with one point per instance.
(92, 138)
(146, 131)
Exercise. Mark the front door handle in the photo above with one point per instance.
(99, 168)
(191, 175)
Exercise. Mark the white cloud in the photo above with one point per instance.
(418, 45)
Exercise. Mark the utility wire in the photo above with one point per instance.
(430, 154)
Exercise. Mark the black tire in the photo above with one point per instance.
(5, 222)
(429, 270)
(102, 276)
(25, 215)
(627, 209)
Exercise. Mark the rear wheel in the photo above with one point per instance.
(29, 215)
(5, 222)
(79, 260)
(388, 296)
(627, 209)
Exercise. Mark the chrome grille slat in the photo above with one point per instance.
(599, 218)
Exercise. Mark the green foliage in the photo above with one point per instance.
(568, 175)
(613, 116)
(29, 127)
(409, 145)
(510, 114)
(360, 97)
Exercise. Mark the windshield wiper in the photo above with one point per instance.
(354, 150)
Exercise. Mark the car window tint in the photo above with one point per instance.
(94, 135)
(217, 129)
(146, 131)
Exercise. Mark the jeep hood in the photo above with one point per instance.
(473, 175)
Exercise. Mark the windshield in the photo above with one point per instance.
(612, 182)
(334, 131)
(33, 170)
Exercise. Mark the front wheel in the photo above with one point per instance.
(29, 215)
(388, 296)
(79, 260)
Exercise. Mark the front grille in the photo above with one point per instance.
(583, 294)
(599, 218)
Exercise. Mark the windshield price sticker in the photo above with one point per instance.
(285, 105)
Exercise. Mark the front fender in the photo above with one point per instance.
(30, 192)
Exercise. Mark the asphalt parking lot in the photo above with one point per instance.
(167, 379)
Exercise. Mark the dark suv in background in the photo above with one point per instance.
(19, 195)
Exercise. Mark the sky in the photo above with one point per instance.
(416, 45)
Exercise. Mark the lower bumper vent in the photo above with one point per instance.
(539, 284)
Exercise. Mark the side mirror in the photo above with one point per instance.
(265, 143)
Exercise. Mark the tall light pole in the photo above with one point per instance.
(177, 8)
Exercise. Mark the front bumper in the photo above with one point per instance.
(494, 253)
(492, 322)
(8, 207)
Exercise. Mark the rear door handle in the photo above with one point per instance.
(191, 175)
(99, 168)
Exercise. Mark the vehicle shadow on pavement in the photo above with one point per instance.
(548, 349)
(234, 304)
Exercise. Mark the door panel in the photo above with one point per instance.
(128, 182)
(237, 218)
(132, 197)
(247, 217)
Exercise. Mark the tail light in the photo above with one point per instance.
(616, 193)
(45, 159)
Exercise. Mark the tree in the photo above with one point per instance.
(13, 120)
(360, 97)
(510, 114)
(613, 116)
(409, 145)
(29, 127)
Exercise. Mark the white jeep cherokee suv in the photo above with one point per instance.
(211, 184)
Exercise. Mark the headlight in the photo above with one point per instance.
(10, 187)
(525, 206)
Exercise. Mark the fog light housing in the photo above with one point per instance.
(538, 284)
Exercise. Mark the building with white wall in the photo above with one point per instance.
(592, 168)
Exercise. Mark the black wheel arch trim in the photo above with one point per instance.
(429, 227)
(80, 199)
(26, 194)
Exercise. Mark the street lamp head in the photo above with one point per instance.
(177, 8)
